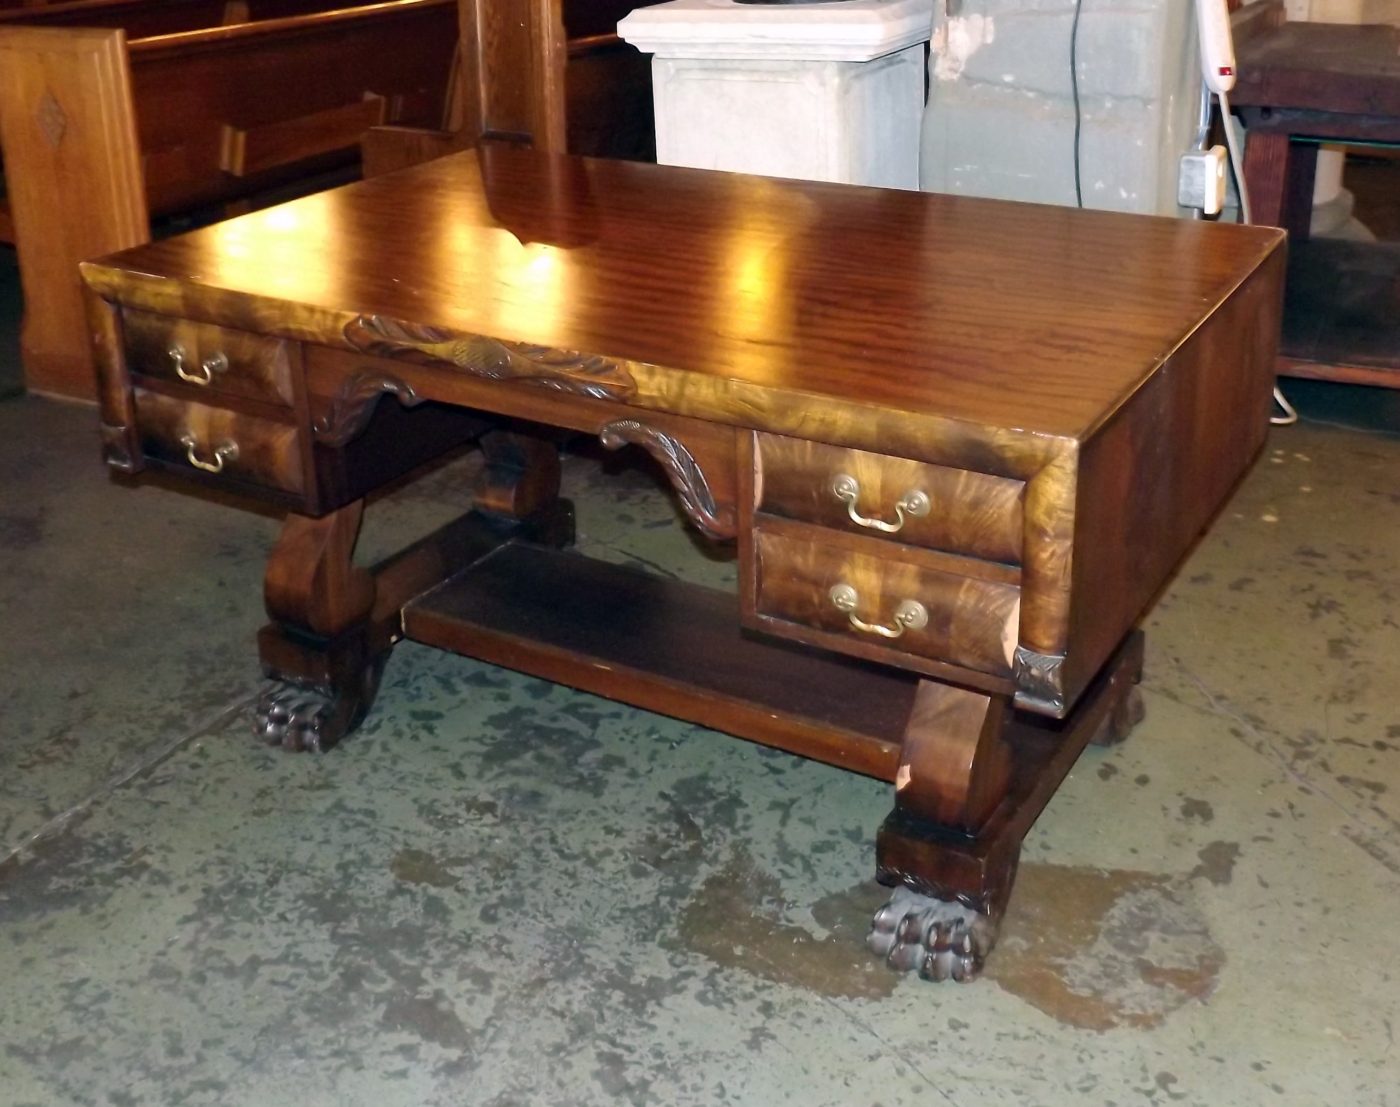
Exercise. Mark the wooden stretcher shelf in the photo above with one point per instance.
(665, 646)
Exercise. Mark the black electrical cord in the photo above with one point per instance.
(1074, 88)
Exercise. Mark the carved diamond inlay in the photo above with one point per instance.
(51, 119)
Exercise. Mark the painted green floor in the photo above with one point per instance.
(503, 892)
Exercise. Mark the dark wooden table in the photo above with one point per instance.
(1302, 84)
(959, 446)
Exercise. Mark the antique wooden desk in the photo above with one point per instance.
(959, 444)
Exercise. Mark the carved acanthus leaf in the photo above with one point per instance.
(1040, 682)
(353, 405)
(686, 476)
(582, 374)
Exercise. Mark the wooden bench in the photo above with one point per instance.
(100, 132)
(148, 18)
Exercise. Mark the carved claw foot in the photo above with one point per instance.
(294, 716)
(939, 939)
(304, 717)
(1118, 723)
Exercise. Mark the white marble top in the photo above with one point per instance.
(850, 30)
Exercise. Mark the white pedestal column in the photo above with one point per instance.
(825, 91)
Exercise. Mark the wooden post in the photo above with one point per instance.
(508, 84)
(68, 130)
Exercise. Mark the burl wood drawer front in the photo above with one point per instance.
(205, 356)
(883, 601)
(910, 501)
(221, 444)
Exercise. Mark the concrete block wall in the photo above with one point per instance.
(1000, 116)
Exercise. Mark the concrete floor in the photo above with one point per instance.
(504, 892)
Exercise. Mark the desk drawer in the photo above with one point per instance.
(853, 594)
(205, 356)
(221, 445)
(909, 501)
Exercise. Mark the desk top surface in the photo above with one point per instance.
(1010, 315)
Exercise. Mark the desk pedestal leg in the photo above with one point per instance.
(316, 650)
(1279, 174)
(974, 775)
(334, 623)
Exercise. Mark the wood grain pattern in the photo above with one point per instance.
(267, 454)
(245, 151)
(694, 314)
(146, 18)
(971, 622)
(255, 366)
(311, 583)
(94, 136)
(121, 447)
(521, 477)
(528, 363)
(954, 763)
(1154, 478)
(1323, 66)
(540, 251)
(610, 630)
(735, 294)
(351, 409)
(713, 517)
(73, 177)
(978, 870)
(970, 513)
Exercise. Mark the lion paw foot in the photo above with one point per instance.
(939, 939)
(295, 717)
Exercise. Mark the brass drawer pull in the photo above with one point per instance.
(912, 504)
(226, 452)
(203, 374)
(909, 615)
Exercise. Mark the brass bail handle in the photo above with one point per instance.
(203, 373)
(225, 451)
(912, 505)
(908, 614)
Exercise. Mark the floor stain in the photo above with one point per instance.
(1099, 949)
(416, 866)
(1217, 862)
(1192, 808)
(430, 1018)
(736, 920)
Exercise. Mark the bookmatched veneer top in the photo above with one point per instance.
(1008, 315)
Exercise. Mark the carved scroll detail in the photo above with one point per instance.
(686, 476)
(354, 404)
(1040, 682)
(582, 374)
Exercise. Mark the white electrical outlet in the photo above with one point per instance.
(1201, 180)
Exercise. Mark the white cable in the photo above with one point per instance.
(1236, 162)
(1290, 413)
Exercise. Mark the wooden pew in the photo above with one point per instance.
(148, 18)
(100, 132)
(145, 19)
